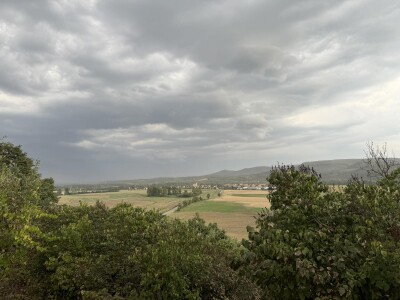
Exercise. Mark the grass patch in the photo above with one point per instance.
(224, 207)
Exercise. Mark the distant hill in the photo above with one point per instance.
(243, 172)
(337, 171)
(247, 175)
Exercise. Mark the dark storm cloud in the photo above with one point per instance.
(121, 89)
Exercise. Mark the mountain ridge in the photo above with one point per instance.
(334, 171)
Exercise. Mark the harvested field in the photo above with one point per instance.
(247, 198)
(233, 211)
(249, 195)
(136, 198)
(233, 223)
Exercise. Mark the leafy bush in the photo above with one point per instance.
(127, 252)
(92, 252)
(23, 198)
(315, 243)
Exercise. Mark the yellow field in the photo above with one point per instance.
(134, 197)
(233, 212)
(245, 197)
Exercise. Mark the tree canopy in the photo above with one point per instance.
(130, 253)
(92, 252)
(319, 243)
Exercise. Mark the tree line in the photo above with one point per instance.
(313, 243)
(163, 191)
(195, 199)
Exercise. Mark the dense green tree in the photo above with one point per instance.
(17, 211)
(127, 252)
(92, 252)
(157, 191)
(20, 211)
(67, 191)
(316, 243)
(47, 195)
(176, 190)
(21, 166)
(196, 191)
(16, 160)
(186, 194)
(162, 191)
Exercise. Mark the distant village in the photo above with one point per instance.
(83, 189)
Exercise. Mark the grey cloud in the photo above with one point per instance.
(178, 112)
(146, 88)
(61, 15)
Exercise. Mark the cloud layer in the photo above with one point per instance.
(103, 90)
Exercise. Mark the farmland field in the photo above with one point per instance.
(233, 212)
(134, 197)
(249, 195)
(219, 206)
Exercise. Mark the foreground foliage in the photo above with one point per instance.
(92, 252)
(25, 199)
(315, 243)
(130, 253)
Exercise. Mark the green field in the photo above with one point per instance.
(223, 207)
(233, 211)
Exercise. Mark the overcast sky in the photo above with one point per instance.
(124, 89)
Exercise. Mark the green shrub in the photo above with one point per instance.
(319, 244)
(129, 252)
